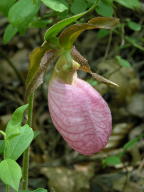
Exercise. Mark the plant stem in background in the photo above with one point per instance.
(26, 153)
(108, 46)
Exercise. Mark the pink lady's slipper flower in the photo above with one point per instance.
(78, 112)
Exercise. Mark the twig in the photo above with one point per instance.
(108, 46)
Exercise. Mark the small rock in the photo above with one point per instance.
(136, 105)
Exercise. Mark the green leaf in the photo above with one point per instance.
(108, 1)
(104, 9)
(22, 13)
(56, 5)
(123, 62)
(39, 23)
(5, 5)
(58, 27)
(133, 25)
(71, 33)
(14, 124)
(36, 190)
(25, 191)
(131, 143)
(91, 1)
(134, 42)
(1, 146)
(36, 134)
(78, 6)
(63, 15)
(102, 33)
(92, 82)
(104, 22)
(132, 4)
(9, 33)
(10, 173)
(16, 145)
(112, 160)
(40, 190)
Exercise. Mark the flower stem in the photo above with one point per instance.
(26, 153)
(7, 188)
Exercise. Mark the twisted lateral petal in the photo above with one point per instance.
(80, 114)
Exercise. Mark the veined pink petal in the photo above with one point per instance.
(80, 114)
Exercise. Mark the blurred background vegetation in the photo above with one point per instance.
(116, 54)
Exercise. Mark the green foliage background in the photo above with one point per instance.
(26, 14)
